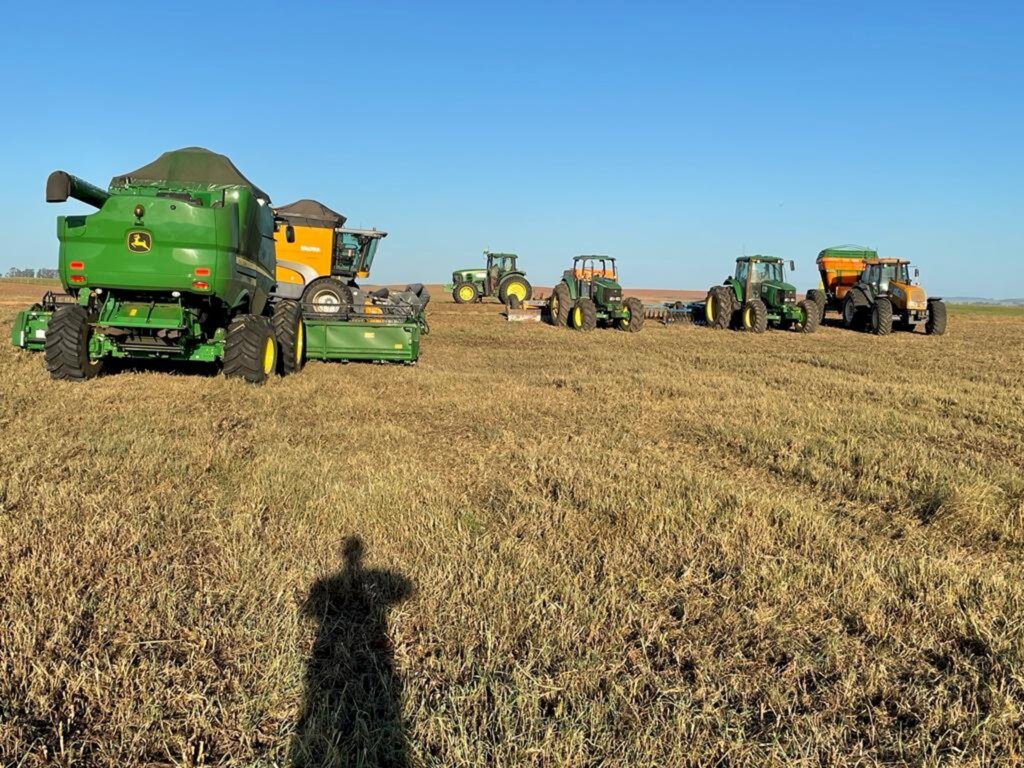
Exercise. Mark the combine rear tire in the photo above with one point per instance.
(755, 316)
(818, 298)
(514, 286)
(718, 307)
(936, 323)
(327, 296)
(66, 351)
(584, 315)
(881, 317)
(855, 306)
(559, 305)
(812, 316)
(291, 337)
(635, 321)
(250, 349)
(465, 293)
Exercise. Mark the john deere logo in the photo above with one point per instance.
(140, 242)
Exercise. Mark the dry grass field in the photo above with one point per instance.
(535, 548)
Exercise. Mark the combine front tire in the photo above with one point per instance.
(881, 317)
(327, 296)
(718, 307)
(559, 306)
(465, 293)
(515, 286)
(66, 351)
(755, 316)
(936, 323)
(812, 316)
(291, 337)
(584, 315)
(250, 349)
(634, 321)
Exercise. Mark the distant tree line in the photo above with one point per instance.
(45, 273)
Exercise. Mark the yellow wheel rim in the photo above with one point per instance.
(747, 319)
(624, 321)
(300, 344)
(516, 289)
(269, 355)
(577, 317)
(709, 309)
(465, 293)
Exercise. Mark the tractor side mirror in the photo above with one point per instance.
(917, 272)
(289, 233)
(792, 266)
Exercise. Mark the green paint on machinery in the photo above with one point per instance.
(757, 296)
(589, 295)
(501, 277)
(29, 329)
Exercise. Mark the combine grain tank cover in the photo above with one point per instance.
(189, 167)
(311, 213)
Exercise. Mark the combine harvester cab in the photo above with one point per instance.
(757, 297)
(177, 263)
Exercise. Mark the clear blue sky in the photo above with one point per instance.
(673, 135)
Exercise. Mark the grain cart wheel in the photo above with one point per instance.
(559, 305)
(66, 351)
(818, 297)
(936, 323)
(812, 316)
(755, 316)
(718, 307)
(327, 296)
(291, 337)
(584, 315)
(854, 307)
(634, 321)
(881, 317)
(465, 293)
(250, 349)
(514, 285)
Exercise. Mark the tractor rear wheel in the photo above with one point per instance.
(635, 320)
(465, 293)
(559, 305)
(584, 315)
(517, 286)
(818, 298)
(327, 296)
(291, 336)
(718, 307)
(936, 323)
(881, 317)
(66, 350)
(250, 349)
(755, 316)
(855, 306)
(812, 316)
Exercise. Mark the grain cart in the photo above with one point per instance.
(840, 267)
(884, 297)
(177, 263)
(590, 295)
(757, 296)
(500, 278)
(318, 258)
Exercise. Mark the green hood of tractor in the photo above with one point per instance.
(468, 275)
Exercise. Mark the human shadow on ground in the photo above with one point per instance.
(352, 715)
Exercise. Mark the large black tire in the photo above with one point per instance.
(755, 316)
(66, 350)
(718, 307)
(250, 349)
(465, 293)
(812, 316)
(584, 315)
(514, 285)
(559, 305)
(881, 316)
(936, 323)
(819, 299)
(635, 321)
(855, 309)
(291, 337)
(327, 296)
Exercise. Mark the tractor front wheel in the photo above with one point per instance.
(633, 321)
(66, 350)
(812, 316)
(881, 317)
(584, 315)
(755, 316)
(854, 307)
(936, 323)
(465, 293)
(327, 296)
(250, 349)
(515, 286)
(718, 307)
(291, 336)
(559, 305)
(818, 299)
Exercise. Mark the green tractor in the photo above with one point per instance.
(177, 263)
(499, 278)
(757, 297)
(590, 295)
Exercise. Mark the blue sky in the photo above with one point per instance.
(673, 135)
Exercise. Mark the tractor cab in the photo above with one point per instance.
(595, 277)
(763, 277)
(881, 273)
(498, 265)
